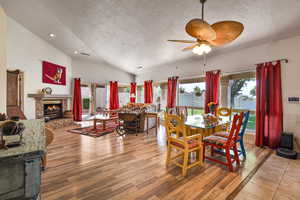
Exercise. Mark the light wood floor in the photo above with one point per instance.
(111, 167)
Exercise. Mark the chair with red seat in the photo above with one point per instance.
(179, 140)
(226, 143)
(240, 139)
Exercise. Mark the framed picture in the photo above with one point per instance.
(54, 74)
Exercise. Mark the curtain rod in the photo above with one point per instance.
(285, 60)
(282, 60)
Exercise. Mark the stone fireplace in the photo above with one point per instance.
(53, 109)
(50, 106)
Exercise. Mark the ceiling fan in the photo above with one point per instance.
(207, 35)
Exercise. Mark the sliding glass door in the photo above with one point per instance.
(191, 95)
(86, 96)
(100, 97)
(242, 96)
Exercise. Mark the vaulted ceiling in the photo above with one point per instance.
(131, 33)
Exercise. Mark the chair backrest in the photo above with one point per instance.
(171, 110)
(182, 111)
(174, 124)
(245, 123)
(49, 135)
(235, 128)
(224, 112)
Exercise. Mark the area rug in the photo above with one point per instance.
(90, 131)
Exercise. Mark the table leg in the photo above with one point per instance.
(95, 124)
(156, 125)
(104, 125)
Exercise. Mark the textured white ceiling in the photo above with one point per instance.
(130, 33)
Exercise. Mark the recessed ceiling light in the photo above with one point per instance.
(76, 52)
(52, 35)
(140, 67)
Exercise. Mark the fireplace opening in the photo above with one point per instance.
(53, 110)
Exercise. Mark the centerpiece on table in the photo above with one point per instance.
(212, 106)
(210, 119)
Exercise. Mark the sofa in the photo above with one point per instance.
(141, 109)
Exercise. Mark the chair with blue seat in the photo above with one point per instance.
(241, 134)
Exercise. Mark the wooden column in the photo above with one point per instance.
(224, 92)
(93, 97)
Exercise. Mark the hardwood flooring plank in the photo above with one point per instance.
(133, 168)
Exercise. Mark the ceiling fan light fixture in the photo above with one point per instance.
(208, 36)
(201, 49)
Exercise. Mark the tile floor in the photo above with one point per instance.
(277, 179)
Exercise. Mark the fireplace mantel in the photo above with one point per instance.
(40, 99)
(50, 96)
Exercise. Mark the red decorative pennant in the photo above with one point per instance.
(54, 74)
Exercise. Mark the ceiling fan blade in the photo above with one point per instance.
(183, 41)
(200, 29)
(226, 31)
(189, 48)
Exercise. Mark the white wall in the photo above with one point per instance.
(25, 51)
(2, 61)
(244, 59)
(99, 73)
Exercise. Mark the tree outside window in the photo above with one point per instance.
(192, 96)
(243, 97)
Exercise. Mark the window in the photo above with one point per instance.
(160, 96)
(124, 95)
(242, 96)
(156, 94)
(192, 96)
(86, 99)
(140, 94)
(100, 97)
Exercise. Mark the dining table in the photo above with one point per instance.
(195, 125)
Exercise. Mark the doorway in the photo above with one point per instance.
(15, 94)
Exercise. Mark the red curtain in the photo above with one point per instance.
(132, 92)
(269, 114)
(77, 107)
(212, 79)
(172, 86)
(113, 95)
(148, 94)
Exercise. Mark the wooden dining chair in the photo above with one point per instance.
(240, 139)
(171, 111)
(182, 111)
(178, 139)
(226, 143)
(224, 112)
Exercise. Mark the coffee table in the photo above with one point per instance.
(103, 119)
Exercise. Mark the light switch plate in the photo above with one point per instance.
(294, 100)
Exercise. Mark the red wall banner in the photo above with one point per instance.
(54, 74)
